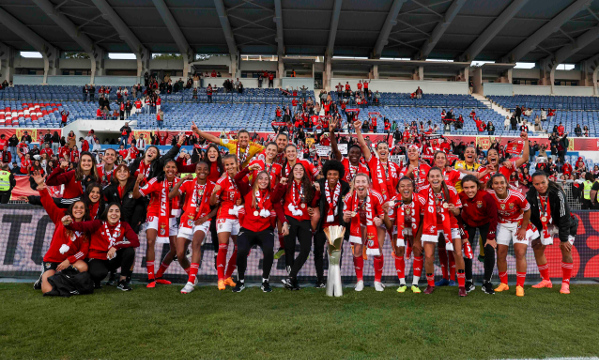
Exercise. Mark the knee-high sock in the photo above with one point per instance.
(221, 260)
(544, 271)
(232, 265)
(430, 280)
(417, 265)
(451, 266)
(193, 272)
(520, 278)
(503, 277)
(378, 267)
(461, 278)
(400, 267)
(359, 267)
(566, 272)
(162, 269)
(443, 262)
(150, 269)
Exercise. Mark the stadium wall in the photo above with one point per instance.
(408, 86)
(29, 232)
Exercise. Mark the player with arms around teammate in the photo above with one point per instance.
(243, 148)
(513, 226)
(550, 213)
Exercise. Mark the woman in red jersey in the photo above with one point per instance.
(76, 180)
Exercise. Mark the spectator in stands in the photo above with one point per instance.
(543, 115)
(538, 124)
(518, 114)
(26, 138)
(160, 118)
(561, 129)
(15, 170)
(419, 93)
(64, 116)
(125, 132)
(585, 131)
(209, 92)
(513, 122)
(524, 127)
(550, 114)
(506, 123)
(271, 78)
(578, 130)
(7, 183)
(85, 92)
(490, 128)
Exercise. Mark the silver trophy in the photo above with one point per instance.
(335, 237)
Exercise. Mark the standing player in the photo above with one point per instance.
(243, 148)
(404, 218)
(291, 159)
(107, 167)
(550, 213)
(226, 193)
(513, 225)
(363, 210)
(442, 207)
(479, 212)
(268, 163)
(281, 141)
(353, 162)
(468, 166)
(195, 222)
(508, 167)
(161, 223)
(415, 168)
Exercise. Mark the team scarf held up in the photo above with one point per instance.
(381, 181)
(165, 210)
(355, 232)
(430, 230)
(332, 200)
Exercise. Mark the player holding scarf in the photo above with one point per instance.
(363, 210)
(442, 207)
(415, 169)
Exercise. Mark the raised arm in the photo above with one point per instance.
(526, 152)
(242, 184)
(361, 142)
(205, 135)
(59, 175)
(335, 149)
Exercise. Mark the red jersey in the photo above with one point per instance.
(196, 195)
(512, 208)
(72, 187)
(384, 180)
(440, 197)
(502, 170)
(158, 191)
(3, 143)
(376, 201)
(228, 196)
(274, 171)
(412, 212)
(479, 210)
(104, 176)
(351, 171)
(310, 169)
(105, 236)
(123, 153)
(451, 177)
(419, 175)
(47, 151)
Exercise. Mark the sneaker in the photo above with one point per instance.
(266, 287)
(287, 283)
(112, 279)
(452, 283)
(239, 287)
(462, 291)
(288, 268)
(565, 289)
(151, 284)
(320, 284)
(442, 282)
(163, 281)
(470, 286)
(502, 287)
(519, 291)
(187, 288)
(415, 289)
(402, 289)
(487, 288)
(294, 284)
(38, 284)
(229, 282)
(429, 289)
(543, 284)
(221, 285)
(378, 286)
(359, 285)
(279, 253)
(124, 286)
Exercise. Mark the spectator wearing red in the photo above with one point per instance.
(65, 117)
(84, 144)
(561, 130)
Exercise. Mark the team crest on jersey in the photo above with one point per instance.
(190, 223)
(479, 204)
(502, 206)
(511, 206)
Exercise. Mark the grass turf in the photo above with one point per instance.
(163, 324)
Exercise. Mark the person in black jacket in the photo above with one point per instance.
(332, 191)
(550, 213)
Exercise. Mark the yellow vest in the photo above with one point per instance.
(587, 189)
(4, 180)
(461, 164)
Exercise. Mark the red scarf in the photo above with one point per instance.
(356, 226)
(165, 211)
(332, 200)
(381, 181)
(430, 231)
(112, 236)
(93, 210)
(545, 215)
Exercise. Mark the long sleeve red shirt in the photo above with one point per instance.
(100, 243)
(479, 210)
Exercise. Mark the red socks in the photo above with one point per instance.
(461, 278)
(150, 269)
(503, 277)
(544, 271)
(400, 266)
(566, 272)
(221, 260)
(378, 267)
(232, 264)
(187, 270)
(451, 266)
(193, 272)
(443, 262)
(359, 267)
(417, 265)
(430, 279)
(520, 277)
(162, 269)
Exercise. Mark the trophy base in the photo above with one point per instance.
(334, 285)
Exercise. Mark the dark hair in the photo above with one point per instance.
(471, 178)
(226, 157)
(242, 131)
(407, 178)
(70, 210)
(354, 146)
(219, 159)
(587, 176)
(93, 173)
(306, 183)
(333, 165)
(496, 175)
(282, 133)
(104, 216)
(444, 187)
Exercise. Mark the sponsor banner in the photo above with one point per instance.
(27, 232)
(36, 134)
(398, 159)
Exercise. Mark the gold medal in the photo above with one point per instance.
(353, 214)
(544, 219)
(445, 205)
(256, 213)
(303, 206)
